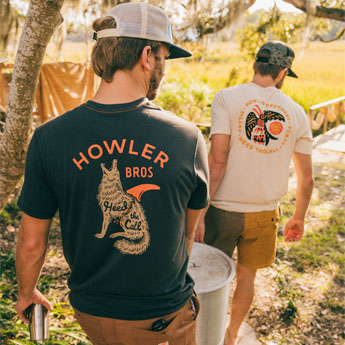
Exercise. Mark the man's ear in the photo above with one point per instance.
(282, 74)
(144, 58)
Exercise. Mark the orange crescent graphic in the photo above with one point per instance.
(139, 190)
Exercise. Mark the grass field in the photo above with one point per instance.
(321, 71)
(194, 81)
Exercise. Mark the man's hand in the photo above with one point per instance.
(25, 301)
(294, 230)
(295, 227)
(200, 231)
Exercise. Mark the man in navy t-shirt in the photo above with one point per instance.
(129, 180)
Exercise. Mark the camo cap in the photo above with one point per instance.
(280, 55)
(141, 20)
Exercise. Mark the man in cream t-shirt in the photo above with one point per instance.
(256, 130)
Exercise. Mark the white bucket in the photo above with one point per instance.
(212, 271)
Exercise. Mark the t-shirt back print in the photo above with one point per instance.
(263, 127)
(122, 206)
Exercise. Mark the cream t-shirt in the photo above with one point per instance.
(266, 127)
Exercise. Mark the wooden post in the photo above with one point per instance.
(311, 118)
(313, 108)
(325, 123)
(339, 113)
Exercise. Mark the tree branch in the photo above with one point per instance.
(210, 25)
(320, 11)
(338, 36)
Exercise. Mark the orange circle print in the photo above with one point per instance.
(276, 127)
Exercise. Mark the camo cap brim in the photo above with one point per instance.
(280, 55)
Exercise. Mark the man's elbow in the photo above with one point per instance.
(217, 170)
(308, 183)
(31, 246)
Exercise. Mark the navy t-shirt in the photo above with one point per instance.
(122, 177)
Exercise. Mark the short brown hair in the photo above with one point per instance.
(265, 68)
(111, 54)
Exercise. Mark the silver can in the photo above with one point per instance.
(38, 316)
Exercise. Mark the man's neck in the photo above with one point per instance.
(263, 80)
(126, 86)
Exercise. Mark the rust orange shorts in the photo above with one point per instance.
(253, 233)
(180, 330)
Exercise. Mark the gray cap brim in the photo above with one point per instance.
(177, 52)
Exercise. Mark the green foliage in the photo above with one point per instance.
(334, 304)
(233, 77)
(61, 310)
(187, 98)
(14, 331)
(324, 246)
(63, 330)
(8, 292)
(309, 274)
(10, 215)
(321, 248)
(289, 312)
(275, 25)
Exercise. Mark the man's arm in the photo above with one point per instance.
(217, 160)
(305, 183)
(31, 249)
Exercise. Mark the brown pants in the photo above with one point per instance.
(106, 331)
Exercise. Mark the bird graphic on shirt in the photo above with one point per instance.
(256, 125)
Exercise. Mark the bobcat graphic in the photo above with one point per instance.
(124, 208)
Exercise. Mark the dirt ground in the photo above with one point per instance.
(315, 323)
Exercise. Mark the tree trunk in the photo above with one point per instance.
(7, 18)
(42, 19)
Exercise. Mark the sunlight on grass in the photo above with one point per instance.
(321, 71)
(310, 274)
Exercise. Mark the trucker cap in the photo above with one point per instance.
(141, 20)
(280, 55)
